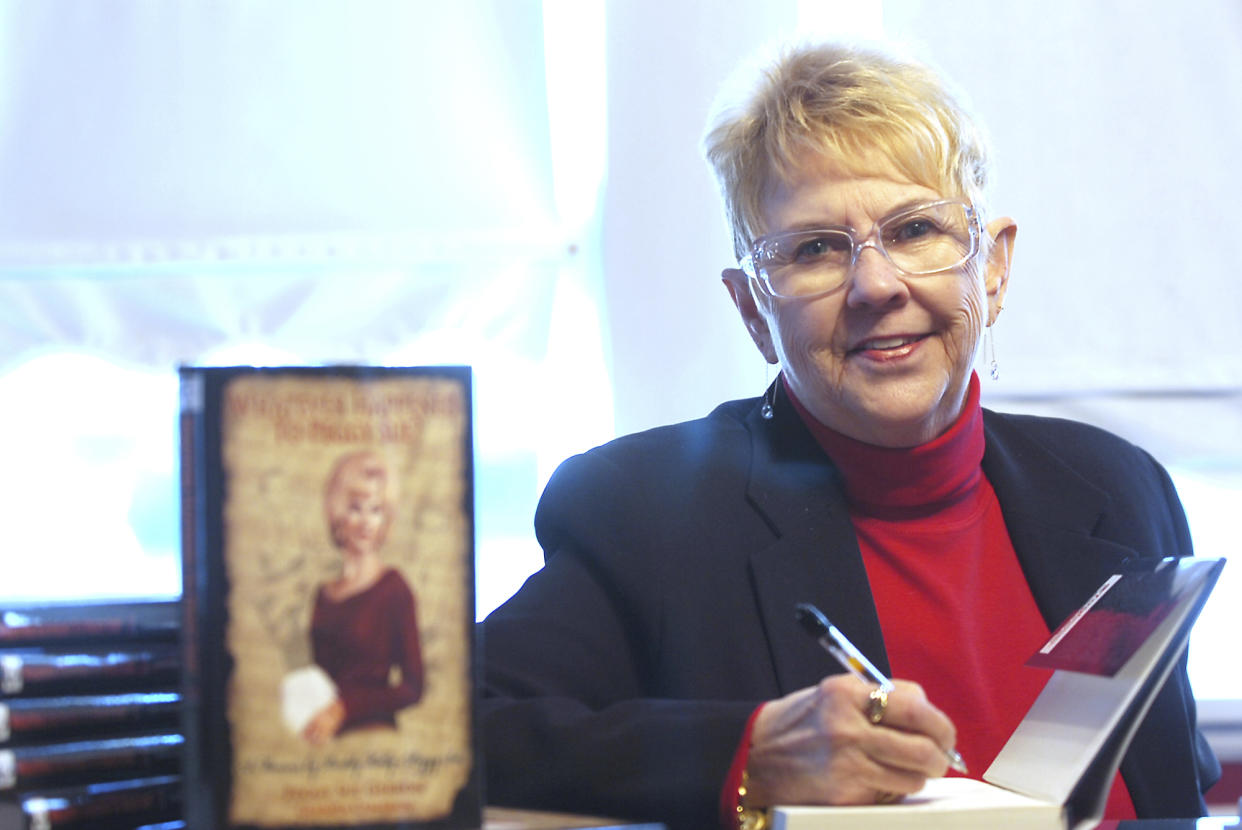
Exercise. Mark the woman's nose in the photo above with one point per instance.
(874, 281)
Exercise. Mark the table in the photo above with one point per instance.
(506, 818)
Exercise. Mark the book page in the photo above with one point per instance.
(1078, 714)
(958, 803)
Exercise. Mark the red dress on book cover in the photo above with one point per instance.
(359, 640)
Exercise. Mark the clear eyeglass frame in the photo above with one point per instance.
(761, 248)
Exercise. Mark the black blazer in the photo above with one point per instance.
(618, 680)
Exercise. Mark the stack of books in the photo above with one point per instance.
(90, 731)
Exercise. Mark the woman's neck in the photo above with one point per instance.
(929, 476)
(359, 570)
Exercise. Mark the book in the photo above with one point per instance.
(328, 605)
(30, 672)
(86, 762)
(111, 805)
(1109, 660)
(960, 803)
(38, 719)
(64, 624)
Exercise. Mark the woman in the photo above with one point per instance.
(654, 667)
(363, 628)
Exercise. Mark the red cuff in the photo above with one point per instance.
(728, 795)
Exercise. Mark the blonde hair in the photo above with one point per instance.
(846, 104)
(352, 472)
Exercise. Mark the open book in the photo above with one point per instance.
(1111, 657)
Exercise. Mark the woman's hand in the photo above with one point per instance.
(817, 745)
(325, 724)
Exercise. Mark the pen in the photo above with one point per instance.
(836, 644)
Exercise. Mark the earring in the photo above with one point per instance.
(765, 411)
(769, 396)
(990, 350)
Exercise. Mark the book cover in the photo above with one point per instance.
(328, 566)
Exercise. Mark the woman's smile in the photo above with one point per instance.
(886, 349)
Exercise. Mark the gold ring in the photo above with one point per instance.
(886, 798)
(878, 705)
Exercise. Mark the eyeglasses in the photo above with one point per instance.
(926, 239)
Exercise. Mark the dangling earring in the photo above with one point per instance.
(990, 351)
(765, 411)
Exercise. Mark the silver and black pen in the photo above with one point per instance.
(853, 660)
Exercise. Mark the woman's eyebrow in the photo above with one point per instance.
(818, 225)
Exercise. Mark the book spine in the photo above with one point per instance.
(196, 771)
(26, 720)
(29, 674)
(35, 631)
(22, 768)
(105, 806)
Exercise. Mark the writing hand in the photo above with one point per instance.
(818, 746)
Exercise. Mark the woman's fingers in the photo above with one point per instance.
(823, 745)
(916, 734)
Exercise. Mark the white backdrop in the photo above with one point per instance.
(518, 185)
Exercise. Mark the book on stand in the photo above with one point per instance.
(327, 517)
(1110, 659)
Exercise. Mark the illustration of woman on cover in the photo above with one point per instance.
(364, 630)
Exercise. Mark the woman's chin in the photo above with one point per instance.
(901, 417)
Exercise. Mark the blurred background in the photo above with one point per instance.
(517, 185)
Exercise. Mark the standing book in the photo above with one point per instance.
(1110, 659)
(328, 597)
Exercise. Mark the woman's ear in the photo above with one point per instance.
(738, 286)
(1003, 231)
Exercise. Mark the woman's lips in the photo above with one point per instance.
(894, 346)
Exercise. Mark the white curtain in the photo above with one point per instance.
(1115, 124)
(518, 185)
(218, 181)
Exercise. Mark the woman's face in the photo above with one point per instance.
(885, 358)
(362, 525)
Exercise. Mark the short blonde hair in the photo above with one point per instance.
(846, 104)
(360, 470)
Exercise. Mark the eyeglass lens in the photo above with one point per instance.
(922, 240)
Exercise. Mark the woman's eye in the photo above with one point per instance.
(913, 229)
(819, 247)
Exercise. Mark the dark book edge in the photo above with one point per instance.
(33, 719)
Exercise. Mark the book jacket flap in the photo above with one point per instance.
(1069, 745)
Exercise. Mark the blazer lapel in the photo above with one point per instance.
(1050, 512)
(814, 554)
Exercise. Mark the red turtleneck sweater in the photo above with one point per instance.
(957, 614)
